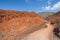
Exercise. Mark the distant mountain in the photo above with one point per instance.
(45, 14)
(54, 18)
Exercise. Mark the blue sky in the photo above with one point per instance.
(31, 5)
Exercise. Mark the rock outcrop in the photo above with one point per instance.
(55, 18)
(15, 25)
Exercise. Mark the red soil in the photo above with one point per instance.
(18, 18)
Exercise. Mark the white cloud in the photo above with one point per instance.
(47, 8)
(54, 7)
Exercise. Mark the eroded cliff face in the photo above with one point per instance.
(55, 18)
(14, 25)
(6, 15)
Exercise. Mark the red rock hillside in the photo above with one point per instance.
(14, 25)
